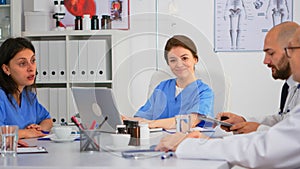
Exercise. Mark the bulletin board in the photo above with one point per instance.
(241, 25)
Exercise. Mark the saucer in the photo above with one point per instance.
(59, 140)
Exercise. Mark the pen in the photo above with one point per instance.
(101, 124)
(76, 122)
(93, 125)
(167, 155)
(168, 131)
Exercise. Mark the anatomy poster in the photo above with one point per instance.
(241, 25)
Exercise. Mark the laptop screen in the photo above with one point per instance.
(96, 104)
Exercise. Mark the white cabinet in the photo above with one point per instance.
(8, 13)
(67, 59)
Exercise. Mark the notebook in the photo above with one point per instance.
(97, 104)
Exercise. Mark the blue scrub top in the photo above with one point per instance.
(197, 97)
(30, 111)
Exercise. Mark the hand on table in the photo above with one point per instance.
(34, 126)
(139, 119)
(22, 143)
(171, 141)
(31, 133)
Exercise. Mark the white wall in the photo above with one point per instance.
(137, 54)
(252, 89)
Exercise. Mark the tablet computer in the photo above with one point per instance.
(215, 121)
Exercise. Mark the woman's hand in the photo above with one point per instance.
(31, 133)
(22, 143)
(139, 119)
(34, 126)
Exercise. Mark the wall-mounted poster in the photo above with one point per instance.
(241, 25)
(118, 10)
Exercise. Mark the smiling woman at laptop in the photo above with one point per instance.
(184, 94)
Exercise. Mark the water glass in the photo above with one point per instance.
(9, 140)
(183, 123)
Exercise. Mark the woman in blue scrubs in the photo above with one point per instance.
(18, 102)
(184, 94)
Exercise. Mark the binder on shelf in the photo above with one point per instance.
(36, 45)
(72, 104)
(62, 105)
(43, 97)
(96, 60)
(44, 61)
(83, 59)
(73, 59)
(53, 60)
(53, 101)
(62, 77)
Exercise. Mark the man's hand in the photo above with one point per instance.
(230, 118)
(245, 127)
(170, 142)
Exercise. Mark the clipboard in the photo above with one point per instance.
(215, 121)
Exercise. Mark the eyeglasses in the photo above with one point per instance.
(288, 50)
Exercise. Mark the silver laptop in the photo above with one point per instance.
(97, 104)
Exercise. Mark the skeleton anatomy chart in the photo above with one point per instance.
(241, 25)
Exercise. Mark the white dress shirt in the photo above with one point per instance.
(291, 101)
(279, 147)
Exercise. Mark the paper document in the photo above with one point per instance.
(29, 150)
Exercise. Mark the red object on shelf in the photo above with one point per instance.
(78, 8)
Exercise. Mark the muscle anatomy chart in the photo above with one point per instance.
(241, 25)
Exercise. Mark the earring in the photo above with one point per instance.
(8, 74)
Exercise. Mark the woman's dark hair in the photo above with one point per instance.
(8, 50)
(183, 41)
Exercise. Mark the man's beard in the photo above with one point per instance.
(284, 70)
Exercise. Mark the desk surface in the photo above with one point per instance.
(68, 155)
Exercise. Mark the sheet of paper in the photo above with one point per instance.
(28, 150)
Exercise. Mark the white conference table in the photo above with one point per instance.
(67, 155)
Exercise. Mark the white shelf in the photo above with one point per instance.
(64, 50)
(70, 33)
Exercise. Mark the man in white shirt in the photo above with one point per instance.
(277, 147)
(275, 58)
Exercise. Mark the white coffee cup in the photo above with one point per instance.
(62, 132)
(120, 140)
